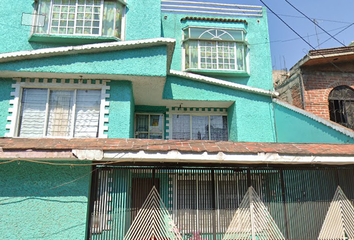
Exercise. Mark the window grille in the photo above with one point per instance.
(341, 106)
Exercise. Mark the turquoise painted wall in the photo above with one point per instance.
(5, 91)
(143, 19)
(250, 115)
(39, 206)
(297, 128)
(257, 37)
(121, 110)
(146, 61)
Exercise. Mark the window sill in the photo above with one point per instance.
(73, 39)
(219, 72)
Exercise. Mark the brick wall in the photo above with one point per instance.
(290, 91)
(318, 86)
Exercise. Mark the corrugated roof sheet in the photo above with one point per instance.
(332, 51)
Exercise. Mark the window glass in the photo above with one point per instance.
(70, 113)
(60, 113)
(81, 17)
(213, 127)
(215, 49)
(33, 112)
(181, 127)
(87, 113)
(200, 127)
(149, 126)
(341, 106)
(218, 128)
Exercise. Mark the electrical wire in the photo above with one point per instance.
(336, 34)
(339, 69)
(314, 23)
(58, 164)
(320, 19)
(48, 189)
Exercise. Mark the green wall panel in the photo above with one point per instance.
(5, 91)
(257, 37)
(143, 19)
(41, 205)
(298, 128)
(250, 116)
(121, 110)
(144, 61)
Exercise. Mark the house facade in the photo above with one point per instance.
(322, 83)
(158, 120)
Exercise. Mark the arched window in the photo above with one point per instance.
(215, 49)
(341, 106)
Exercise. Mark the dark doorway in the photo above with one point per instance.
(141, 188)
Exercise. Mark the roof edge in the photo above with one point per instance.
(89, 48)
(328, 123)
(223, 83)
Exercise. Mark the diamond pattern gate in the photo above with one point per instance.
(197, 203)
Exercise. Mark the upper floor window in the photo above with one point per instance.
(213, 127)
(215, 49)
(59, 113)
(81, 17)
(149, 126)
(341, 106)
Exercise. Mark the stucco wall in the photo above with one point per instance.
(294, 127)
(5, 91)
(121, 110)
(50, 203)
(143, 19)
(140, 61)
(250, 117)
(257, 37)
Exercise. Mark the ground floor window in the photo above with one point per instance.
(213, 203)
(199, 127)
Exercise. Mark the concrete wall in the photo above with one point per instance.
(50, 203)
(121, 110)
(140, 61)
(5, 97)
(293, 127)
(143, 20)
(250, 117)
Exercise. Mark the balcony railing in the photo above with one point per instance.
(209, 8)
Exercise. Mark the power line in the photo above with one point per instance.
(320, 19)
(336, 34)
(314, 22)
(298, 34)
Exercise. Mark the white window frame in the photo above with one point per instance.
(245, 53)
(48, 19)
(192, 114)
(56, 84)
(136, 133)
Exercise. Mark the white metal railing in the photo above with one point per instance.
(221, 9)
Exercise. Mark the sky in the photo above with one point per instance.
(334, 16)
